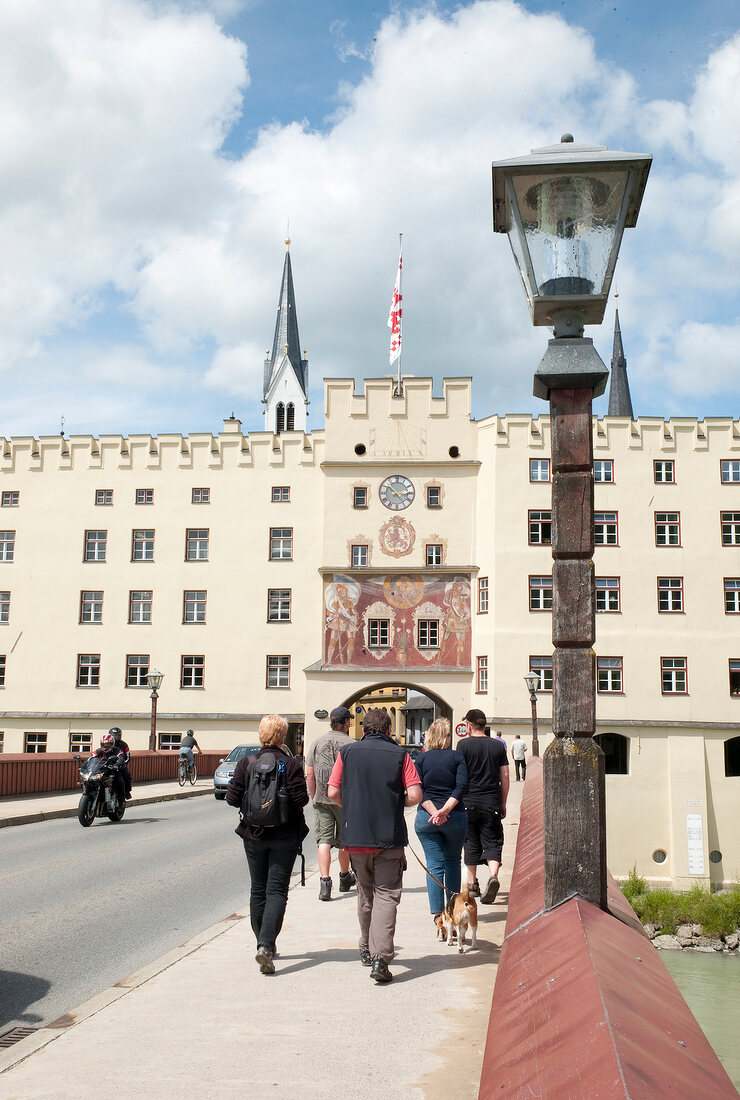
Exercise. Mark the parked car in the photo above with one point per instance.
(225, 769)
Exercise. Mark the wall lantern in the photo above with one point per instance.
(564, 209)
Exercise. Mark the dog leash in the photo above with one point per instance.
(430, 873)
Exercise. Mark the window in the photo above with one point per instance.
(34, 742)
(540, 593)
(88, 670)
(142, 545)
(667, 529)
(732, 595)
(2, 669)
(428, 634)
(605, 529)
(609, 674)
(729, 471)
(732, 756)
(278, 605)
(91, 607)
(95, 545)
(481, 678)
(196, 544)
(608, 594)
(103, 496)
(145, 496)
(280, 494)
(615, 748)
(7, 545)
(434, 496)
(359, 556)
(539, 469)
(140, 606)
(4, 607)
(280, 418)
(673, 675)
(278, 672)
(730, 529)
(434, 553)
(201, 496)
(540, 528)
(543, 667)
(378, 632)
(359, 497)
(169, 741)
(482, 595)
(604, 469)
(80, 742)
(281, 543)
(137, 669)
(2, 740)
(670, 593)
(734, 677)
(192, 672)
(10, 498)
(194, 606)
(664, 472)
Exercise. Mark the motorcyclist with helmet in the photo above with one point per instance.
(115, 732)
(111, 751)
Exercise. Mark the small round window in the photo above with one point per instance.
(659, 856)
(715, 856)
(360, 449)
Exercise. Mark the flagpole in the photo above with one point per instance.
(395, 321)
(399, 384)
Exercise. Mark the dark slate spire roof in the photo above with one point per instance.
(620, 402)
(286, 340)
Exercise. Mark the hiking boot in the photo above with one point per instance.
(264, 958)
(365, 957)
(489, 894)
(380, 971)
(474, 889)
(346, 881)
(325, 890)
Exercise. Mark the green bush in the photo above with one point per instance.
(718, 914)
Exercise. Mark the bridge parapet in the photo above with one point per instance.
(583, 1006)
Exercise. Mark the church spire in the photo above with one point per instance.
(620, 402)
(285, 389)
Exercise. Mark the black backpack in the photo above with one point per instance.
(266, 802)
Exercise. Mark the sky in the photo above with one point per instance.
(153, 155)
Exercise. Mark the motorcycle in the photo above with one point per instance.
(102, 790)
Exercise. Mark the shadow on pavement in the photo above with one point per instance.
(20, 991)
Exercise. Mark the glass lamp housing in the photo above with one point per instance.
(154, 679)
(564, 209)
(533, 682)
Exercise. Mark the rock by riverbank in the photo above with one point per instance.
(690, 937)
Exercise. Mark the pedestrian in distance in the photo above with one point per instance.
(270, 850)
(327, 815)
(518, 752)
(373, 780)
(441, 822)
(499, 737)
(485, 803)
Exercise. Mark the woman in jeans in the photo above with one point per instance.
(271, 851)
(441, 821)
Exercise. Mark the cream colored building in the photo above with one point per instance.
(404, 546)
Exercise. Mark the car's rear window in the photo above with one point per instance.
(240, 751)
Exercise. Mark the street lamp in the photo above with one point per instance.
(532, 681)
(154, 680)
(565, 208)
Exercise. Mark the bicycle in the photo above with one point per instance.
(186, 771)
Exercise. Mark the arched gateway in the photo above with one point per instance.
(399, 701)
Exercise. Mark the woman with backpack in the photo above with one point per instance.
(270, 791)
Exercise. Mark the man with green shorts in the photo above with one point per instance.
(327, 815)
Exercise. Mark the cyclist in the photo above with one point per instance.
(122, 747)
(187, 745)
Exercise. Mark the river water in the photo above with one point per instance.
(710, 985)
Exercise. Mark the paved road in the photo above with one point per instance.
(80, 909)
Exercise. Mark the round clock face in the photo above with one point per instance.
(396, 492)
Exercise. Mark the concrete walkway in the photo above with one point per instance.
(204, 1021)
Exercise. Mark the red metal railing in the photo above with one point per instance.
(31, 773)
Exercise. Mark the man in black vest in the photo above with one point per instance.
(373, 780)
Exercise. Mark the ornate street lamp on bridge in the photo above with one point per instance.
(154, 680)
(564, 209)
(532, 681)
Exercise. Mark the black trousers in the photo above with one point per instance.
(269, 870)
(523, 765)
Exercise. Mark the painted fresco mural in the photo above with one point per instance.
(399, 621)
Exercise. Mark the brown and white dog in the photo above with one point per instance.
(460, 913)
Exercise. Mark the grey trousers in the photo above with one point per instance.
(379, 881)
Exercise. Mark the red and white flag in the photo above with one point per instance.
(396, 312)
